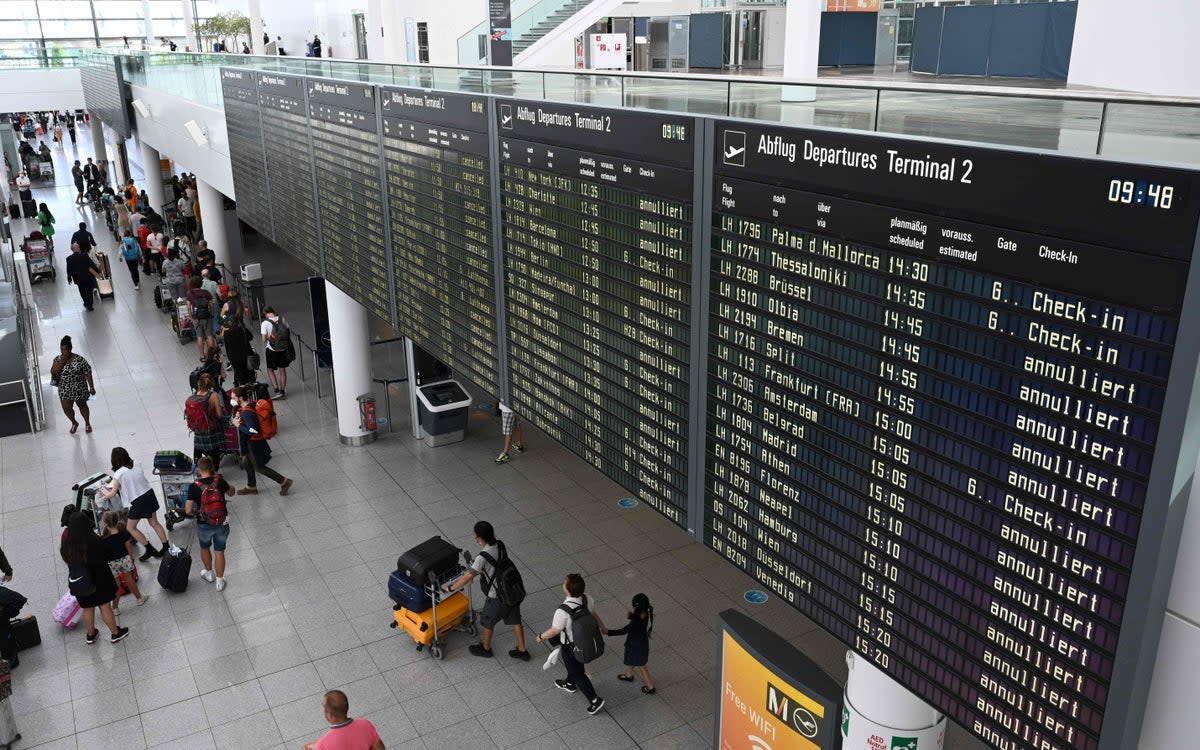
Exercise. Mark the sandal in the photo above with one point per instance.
(648, 690)
(74, 427)
(87, 428)
(625, 677)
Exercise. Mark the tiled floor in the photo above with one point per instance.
(306, 609)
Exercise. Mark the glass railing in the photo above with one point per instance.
(1123, 126)
(51, 57)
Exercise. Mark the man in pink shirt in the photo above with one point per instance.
(345, 733)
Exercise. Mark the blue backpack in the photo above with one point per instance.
(130, 250)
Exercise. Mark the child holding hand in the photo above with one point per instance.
(637, 641)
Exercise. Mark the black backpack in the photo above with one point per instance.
(587, 642)
(506, 584)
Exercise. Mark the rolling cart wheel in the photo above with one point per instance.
(437, 652)
(470, 628)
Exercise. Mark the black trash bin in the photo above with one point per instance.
(442, 408)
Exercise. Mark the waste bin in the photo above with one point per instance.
(442, 408)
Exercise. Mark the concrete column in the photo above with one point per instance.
(802, 45)
(348, 338)
(99, 146)
(154, 183)
(148, 16)
(385, 31)
(256, 27)
(189, 25)
(212, 218)
(878, 706)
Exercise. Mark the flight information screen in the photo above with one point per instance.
(439, 197)
(286, 140)
(930, 432)
(246, 157)
(597, 209)
(350, 191)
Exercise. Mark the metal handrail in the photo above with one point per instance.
(23, 400)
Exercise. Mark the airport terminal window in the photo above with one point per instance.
(26, 26)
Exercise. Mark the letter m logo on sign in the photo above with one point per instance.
(790, 712)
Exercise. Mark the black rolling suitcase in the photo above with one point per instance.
(25, 632)
(173, 571)
(430, 559)
(14, 211)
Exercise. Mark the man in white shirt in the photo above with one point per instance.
(275, 344)
(577, 678)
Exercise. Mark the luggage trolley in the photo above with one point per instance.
(181, 322)
(448, 612)
(40, 257)
(83, 496)
(175, 485)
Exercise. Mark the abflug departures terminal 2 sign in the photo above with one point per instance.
(937, 383)
(598, 234)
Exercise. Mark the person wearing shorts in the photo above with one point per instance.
(493, 611)
(130, 484)
(212, 537)
(514, 433)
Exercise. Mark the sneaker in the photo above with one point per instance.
(502, 458)
(119, 636)
(137, 288)
(142, 601)
(280, 395)
(479, 650)
(248, 491)
(518, 448)
(518, 654)
(283, 488)
(149, 553)
(564, 685)
(595, 706)
(220, 584)
(91, 637)
(208, 575)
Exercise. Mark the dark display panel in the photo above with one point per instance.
(246, 157)
(934, 436)
(439, 199)
(104, 90)
(345, 141)
(597, 231)
(286, 140)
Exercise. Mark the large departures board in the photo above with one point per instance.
(934, 433)
(435, 146)
(346, 164)
(246, 156)
(287, 141)
(597, 229)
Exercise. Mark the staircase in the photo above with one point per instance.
(532, 21)
(549, 22)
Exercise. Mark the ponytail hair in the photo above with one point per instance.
(641, 605)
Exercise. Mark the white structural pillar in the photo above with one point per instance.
(148, 20)
(1117, 47)
(212, 220)
(189, 25)
(385, 31)
(802, 41)
(256, 27)
(154, 181)
(351, 350)
(877, 706)
(99, 147)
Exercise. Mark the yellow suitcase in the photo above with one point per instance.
(451, 612)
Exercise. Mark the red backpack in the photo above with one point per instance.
(195, 411)
(213, 508)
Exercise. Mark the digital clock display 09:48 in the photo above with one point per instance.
(1141, 193)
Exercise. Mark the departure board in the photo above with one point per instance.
(345, 140)
(439, 199)
(933, 433)
(286, 140)
(246, 157)
(597, 231)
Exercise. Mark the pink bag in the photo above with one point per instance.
(67, 612)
